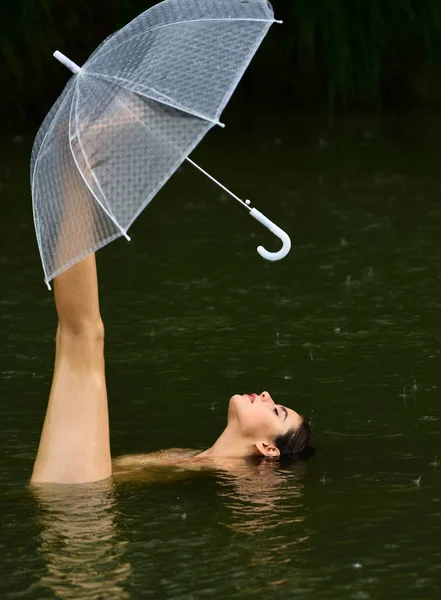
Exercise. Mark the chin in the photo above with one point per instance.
(234, 405)
(236, 401)
(239, 406)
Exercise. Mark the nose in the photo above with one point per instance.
(265, 397)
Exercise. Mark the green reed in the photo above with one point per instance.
(365, 52)
(328, 54)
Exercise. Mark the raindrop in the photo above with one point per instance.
(417, 481)
(357, 565)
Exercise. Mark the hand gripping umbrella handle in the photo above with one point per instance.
(282, 235)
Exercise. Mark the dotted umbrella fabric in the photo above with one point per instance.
(139, 106)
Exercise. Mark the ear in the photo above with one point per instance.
(267, 449)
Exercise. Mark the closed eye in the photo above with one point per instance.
(284, 410)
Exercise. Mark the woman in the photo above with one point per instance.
(75, 446)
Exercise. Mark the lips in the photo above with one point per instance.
(251, 397)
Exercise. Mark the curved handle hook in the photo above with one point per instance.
(282, 235)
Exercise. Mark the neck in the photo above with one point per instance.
(230, 444)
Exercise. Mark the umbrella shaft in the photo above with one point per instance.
(218, 183)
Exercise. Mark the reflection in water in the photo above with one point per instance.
(266, 504)
(260, 496)
(346, 326)
(79, 542)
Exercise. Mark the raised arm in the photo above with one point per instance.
(74, 445)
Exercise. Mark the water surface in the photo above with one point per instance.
(345, 330)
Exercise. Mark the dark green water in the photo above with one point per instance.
(346, 330)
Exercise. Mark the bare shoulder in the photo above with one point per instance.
(124, 466)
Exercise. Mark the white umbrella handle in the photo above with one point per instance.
(282, 235)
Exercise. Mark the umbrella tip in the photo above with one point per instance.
(67, 62)
(128, 238)
(279, 22)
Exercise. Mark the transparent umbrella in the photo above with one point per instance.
(131, 115)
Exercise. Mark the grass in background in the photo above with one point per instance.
(335, 54)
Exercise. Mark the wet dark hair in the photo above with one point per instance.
(295, 442)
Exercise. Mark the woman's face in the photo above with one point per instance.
(260, 418)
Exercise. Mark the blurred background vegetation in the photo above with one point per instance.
(336, 55)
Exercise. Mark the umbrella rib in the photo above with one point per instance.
(108, 213)
(242, 70)
(49, 130)
(34, 192)
(73, 261)
(165, 143)
(221, 19)
(171, 103)
(186, 158)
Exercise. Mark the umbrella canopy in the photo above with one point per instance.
(131, 115)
